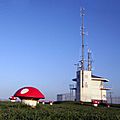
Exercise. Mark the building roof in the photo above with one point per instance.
(98, 78)
(94, 76)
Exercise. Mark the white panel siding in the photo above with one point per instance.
(92, 89)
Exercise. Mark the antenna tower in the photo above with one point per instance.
(89, 60)
(82, 34)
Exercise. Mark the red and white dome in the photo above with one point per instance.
(29, 93)
(12, 98)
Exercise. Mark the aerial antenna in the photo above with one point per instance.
(82, 34)
(89, 60)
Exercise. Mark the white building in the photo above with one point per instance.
(90, 88)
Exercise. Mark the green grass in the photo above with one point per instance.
(61, 111)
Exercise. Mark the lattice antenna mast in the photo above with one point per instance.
(89, 60)
(82, 34)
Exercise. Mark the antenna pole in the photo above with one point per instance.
(89, 60)
(82, 33)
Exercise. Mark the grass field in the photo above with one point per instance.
(61, 111)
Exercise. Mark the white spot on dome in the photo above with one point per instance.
(24, 91)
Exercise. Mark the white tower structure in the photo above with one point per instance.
(89, 87)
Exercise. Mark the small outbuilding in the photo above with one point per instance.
(29, 95)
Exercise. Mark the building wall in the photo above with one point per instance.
(91, 89)
(96, 92)
(85, 91)
(104, 95)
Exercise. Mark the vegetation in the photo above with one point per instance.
(58, 111)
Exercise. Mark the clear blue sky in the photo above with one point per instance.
(40, 42)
